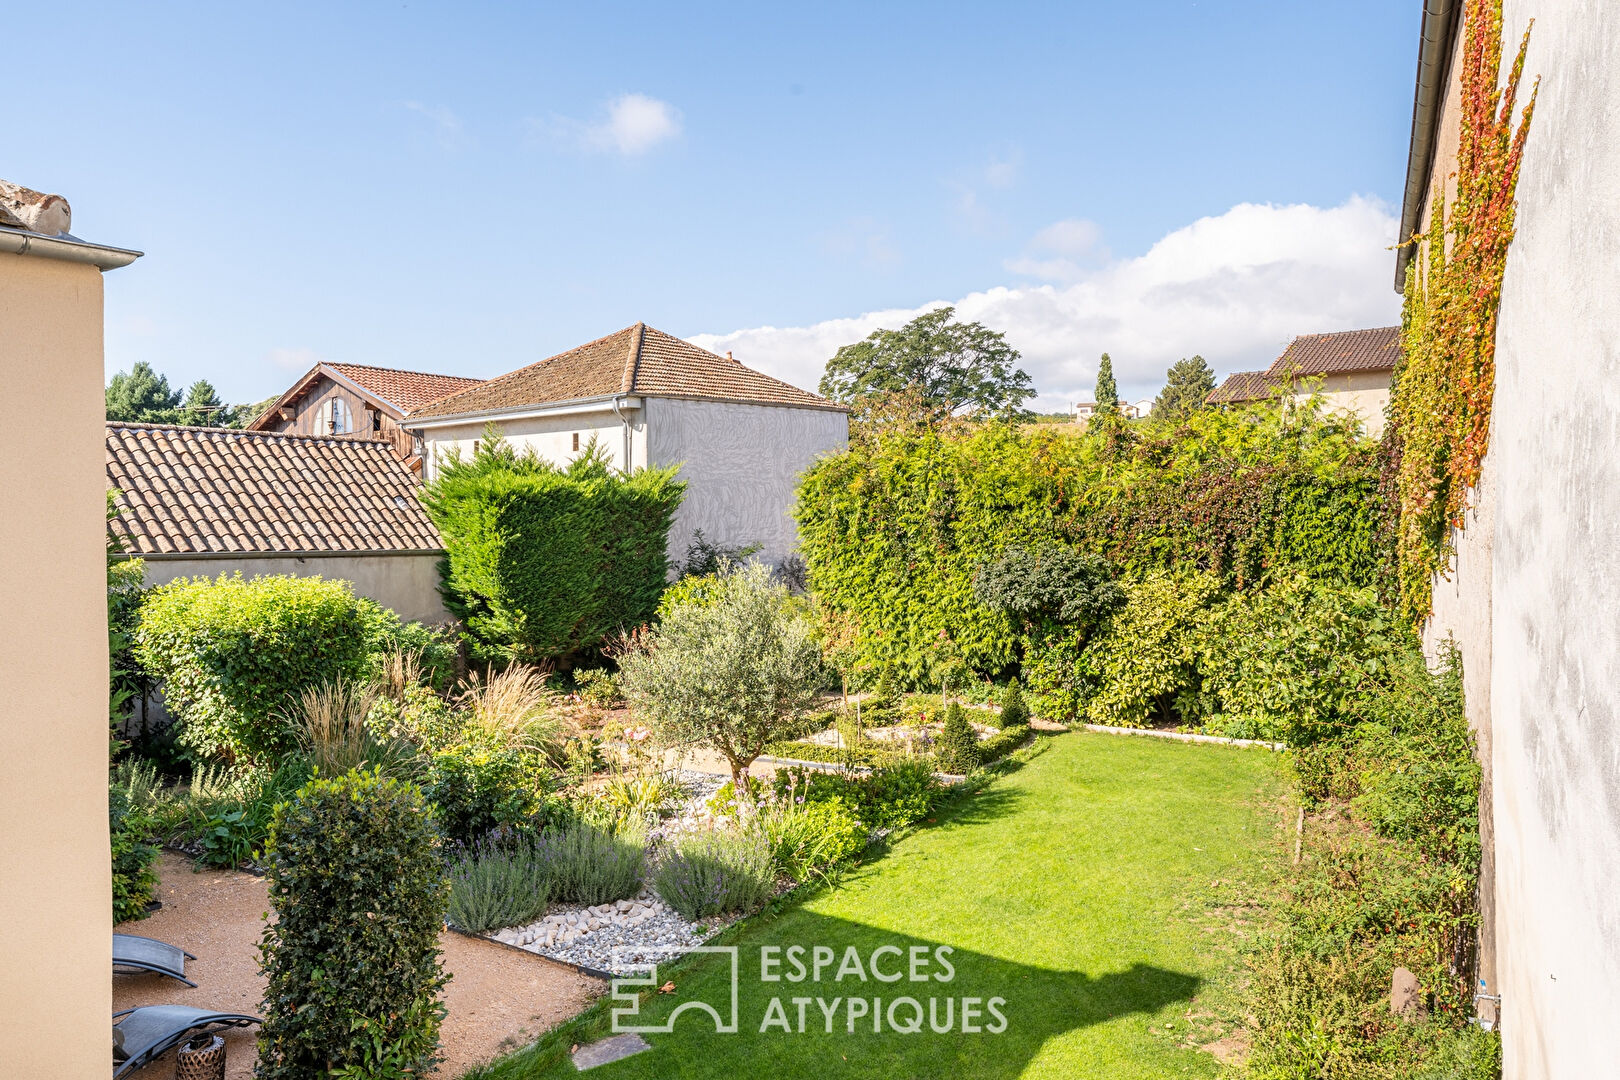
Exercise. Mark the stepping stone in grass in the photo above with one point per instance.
(614, 1049)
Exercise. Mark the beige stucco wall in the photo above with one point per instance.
(1364, 393)
(741, 464)
(408, 584)
(551, 437)
(55, 875)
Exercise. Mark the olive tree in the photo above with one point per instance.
(728, 669)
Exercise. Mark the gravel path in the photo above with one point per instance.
(498, 999)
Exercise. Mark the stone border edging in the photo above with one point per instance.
(578, 969)
(1185, 736)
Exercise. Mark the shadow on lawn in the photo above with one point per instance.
(850, 1023)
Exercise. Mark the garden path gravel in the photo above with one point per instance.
(498, 999)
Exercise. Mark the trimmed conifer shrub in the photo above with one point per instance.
(1014, 713)
(352, 960)
(544, 562)
(957, 749)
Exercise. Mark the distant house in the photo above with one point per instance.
(646, 398)
(1132, 410)
(205, 501)
(1351, 371)
(358, 401)
(1242, 387)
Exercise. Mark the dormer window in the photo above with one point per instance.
(334, 418)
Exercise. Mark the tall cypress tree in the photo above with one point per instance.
(1107, 389)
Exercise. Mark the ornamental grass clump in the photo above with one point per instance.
(709, 873)
(351, 960)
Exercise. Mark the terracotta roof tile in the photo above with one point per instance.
(200, 490)
(405, 390)
(635, 360)
(1328, 354)
(1242, 386)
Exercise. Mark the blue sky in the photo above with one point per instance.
(470, 188)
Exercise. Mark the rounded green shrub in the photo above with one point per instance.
(232, 652)
(478, 786)
(352, 958)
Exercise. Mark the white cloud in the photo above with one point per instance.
(1235, 287)
(1064, 251)
(442, 122)
(295, 360)
(630, 124)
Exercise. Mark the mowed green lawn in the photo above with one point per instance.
(1080, 889)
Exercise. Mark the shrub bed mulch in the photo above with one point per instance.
(498, 999)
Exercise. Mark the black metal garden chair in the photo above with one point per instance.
(148, 1031)
(149, 954)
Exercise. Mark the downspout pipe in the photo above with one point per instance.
(625, 420)
(1434, 62)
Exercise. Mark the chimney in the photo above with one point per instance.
(24, 208)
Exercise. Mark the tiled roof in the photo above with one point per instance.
(1242, 386)
(1328, 354)
(197, 490)
(635, 360)
(405, 390)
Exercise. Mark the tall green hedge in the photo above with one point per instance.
(231, 653)
(352, 959)
(544, 562)
(898, 528)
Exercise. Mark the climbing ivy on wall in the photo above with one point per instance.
(1440, 412)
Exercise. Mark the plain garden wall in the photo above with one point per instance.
(741, 464)
(55, 869)
(1555, 562)
(407, 582)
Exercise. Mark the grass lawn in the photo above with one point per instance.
(1085, 888)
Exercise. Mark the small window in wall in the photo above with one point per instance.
(334, 418)
(475, 447)
(576, 442)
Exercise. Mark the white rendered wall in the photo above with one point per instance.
(741, 464)
(1555, 560)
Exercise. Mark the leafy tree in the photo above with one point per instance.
(1107, 388)
(957, 367)
(730, 672)
(1187, 384)
(142, 396)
